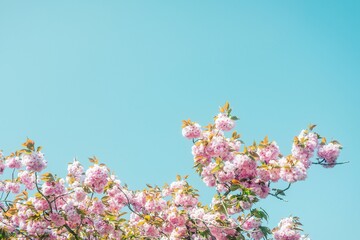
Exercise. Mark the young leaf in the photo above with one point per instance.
(312, 126)
(94, 160)
(29, 144)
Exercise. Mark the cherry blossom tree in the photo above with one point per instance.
(94, 204)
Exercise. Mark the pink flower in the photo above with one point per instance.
(34, 161)
(40, 204)
(257, 235)
(13, 162)
(72, 216)
(48, 188)
(57, 219)
(28, 179)
(197, 213)
(12, 187)
(102, 227)
(53, 188)
(96, 178)
(227, 173)
(260, 188)
(79, 194)
(223, 122)
(330, 153)
(176, 219)
(97, 207)
(303, 149)
(75, 170)
(218, 146)
(185, 200)
(36, 227)
(270, 152)
(251, 223)
(292, 170)
(287, 230)
(192, 131)
(150, 230)
(246, 167)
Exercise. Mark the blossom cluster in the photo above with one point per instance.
(220, 161)
(288, 229)
(92, 203)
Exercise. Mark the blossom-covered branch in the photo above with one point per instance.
(94, 204)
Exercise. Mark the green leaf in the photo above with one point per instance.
(259, 214)
(234, 187)
(266, 231)
(280, 192)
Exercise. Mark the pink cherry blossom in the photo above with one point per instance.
(192, 131)
(287, 230)
(28, 179)
(329, 153)
(270, 152)
(223, 122)
(13, 162)
(34, 161)
(57, 219)
(96, 178)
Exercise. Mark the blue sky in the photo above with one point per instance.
(115, 78)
